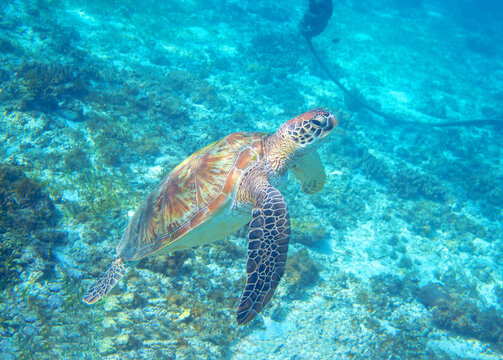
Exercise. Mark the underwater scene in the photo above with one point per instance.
(368, 227)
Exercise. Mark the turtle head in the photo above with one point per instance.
(299, 136)
(307, 130)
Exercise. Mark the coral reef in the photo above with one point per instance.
(385, 289)
(466, 318)
(433, 294)
(41, 86)
(374, 168)
(457, 307)
(27, 216)
(409, 184)
(76, 159)
(300, 273)
(310, 234)
(168, 265)
(99, 100)
(202, 92)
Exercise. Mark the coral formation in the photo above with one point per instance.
(168, 265)
(456, 307)
(26, 213)
(41, 86)
(301, 273)
(409, 184)
(433, 294)
(465, 318)
(374, 168)
(308, 233)
(76, 159)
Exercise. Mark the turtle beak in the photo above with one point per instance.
(331, 123)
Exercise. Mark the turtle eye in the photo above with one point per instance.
(321, 123)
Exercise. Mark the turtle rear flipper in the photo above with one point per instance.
(267, 248)
(106, 282)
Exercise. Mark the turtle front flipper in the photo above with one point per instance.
(106, 282)
(310, 173)
(267, 249)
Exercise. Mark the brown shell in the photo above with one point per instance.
(189, 194)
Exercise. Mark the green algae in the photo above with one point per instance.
(149, 146)
(111, 139)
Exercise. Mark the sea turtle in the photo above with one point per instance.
(217, 190)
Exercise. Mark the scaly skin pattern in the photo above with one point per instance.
(269, 232)
(297, 137)
(106, 282)
(267, 248)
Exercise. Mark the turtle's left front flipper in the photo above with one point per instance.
(267, 249)
(309, 171)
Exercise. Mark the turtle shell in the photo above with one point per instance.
(191, 193)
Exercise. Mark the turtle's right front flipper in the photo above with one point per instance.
(106, 282)
(267, 247)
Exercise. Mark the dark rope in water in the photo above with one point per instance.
(394, 120)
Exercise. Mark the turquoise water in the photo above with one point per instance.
(398, 257)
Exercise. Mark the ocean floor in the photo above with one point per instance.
(399, 257)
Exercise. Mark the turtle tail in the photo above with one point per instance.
(106, 282)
